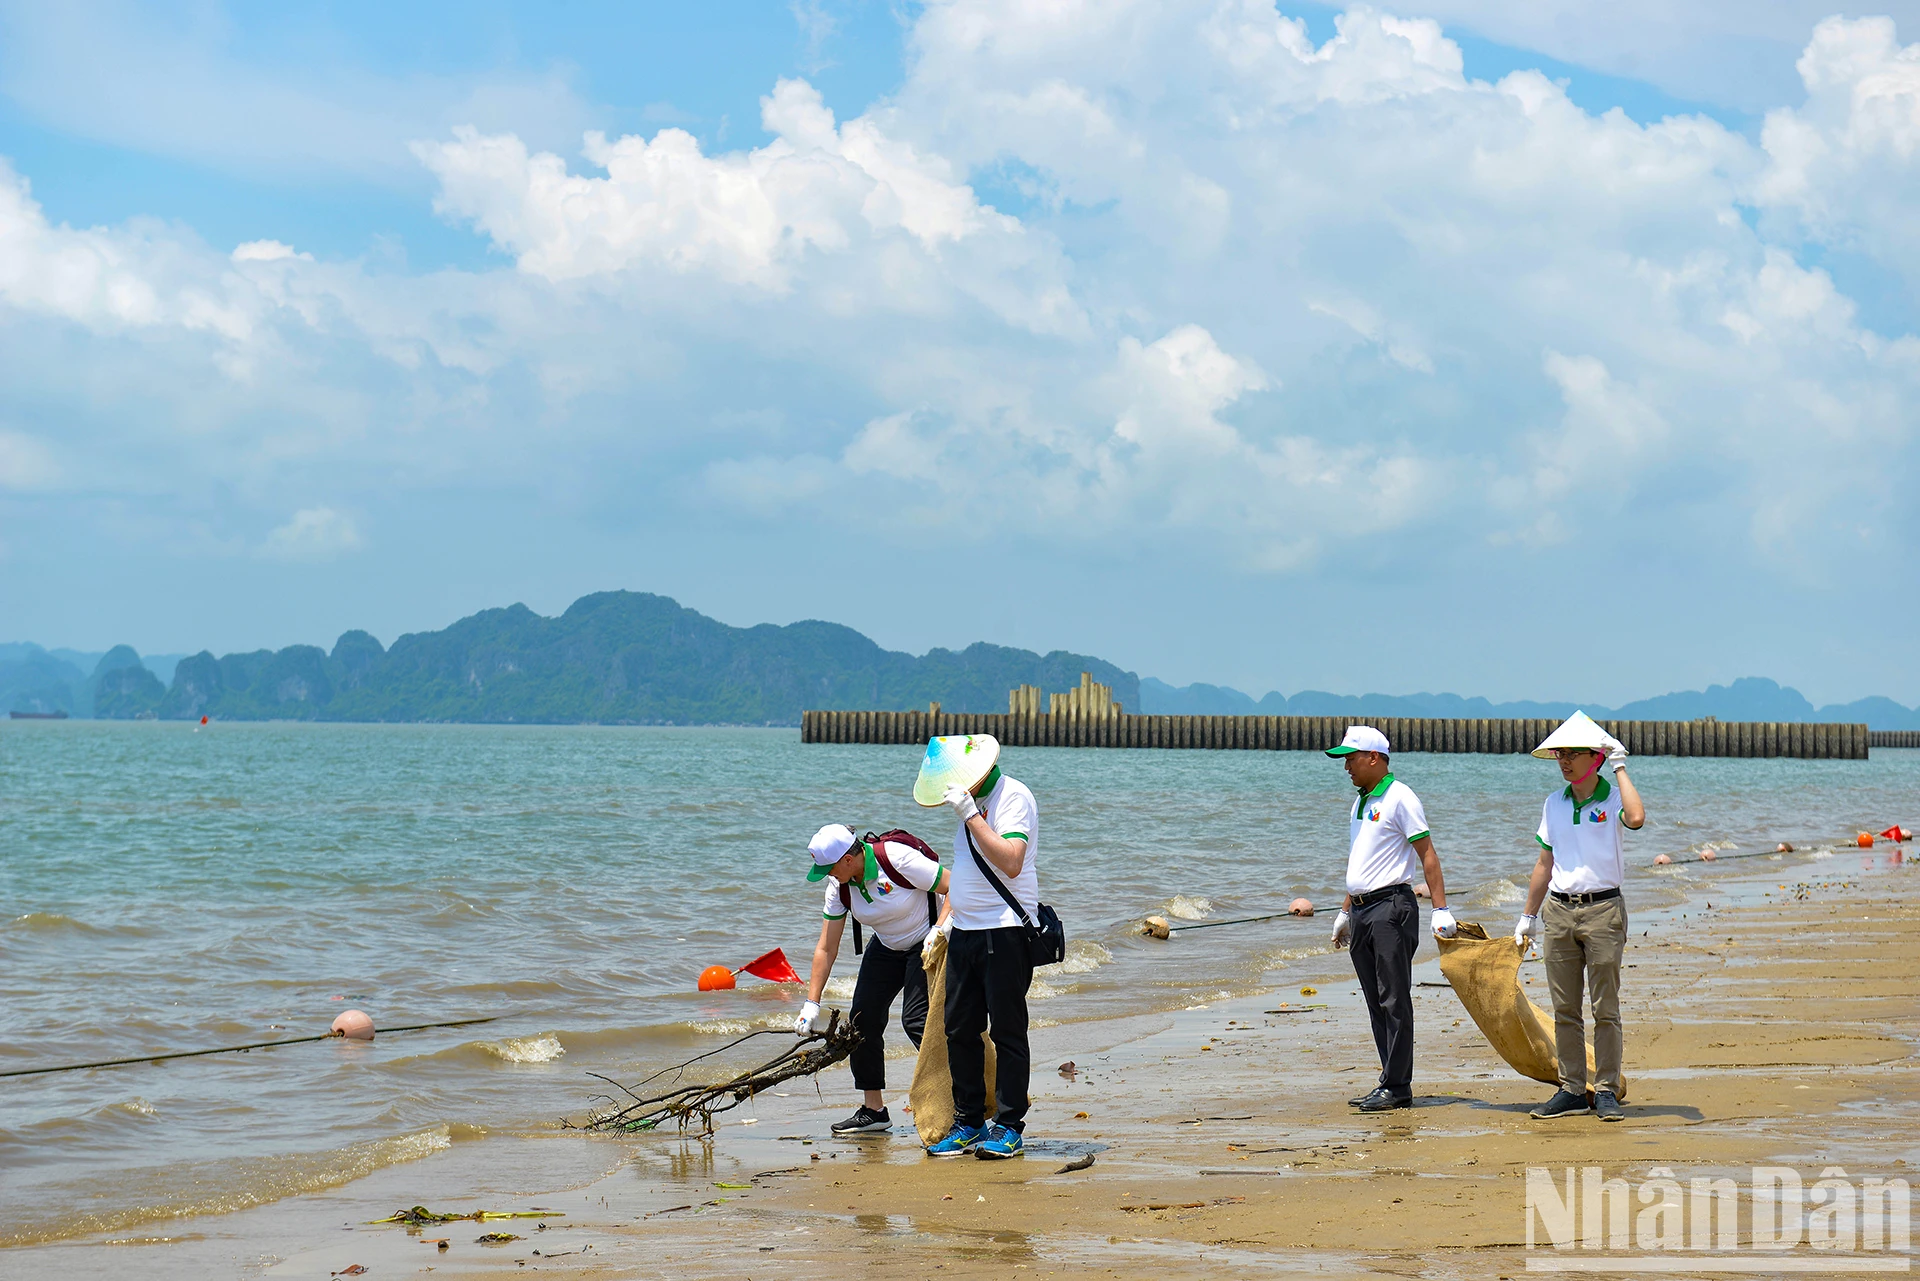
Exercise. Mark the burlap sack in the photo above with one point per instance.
(931, 1094)
(1485, 973)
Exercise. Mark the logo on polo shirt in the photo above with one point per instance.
(1374, 813)
(884, 886)
(1599, 816)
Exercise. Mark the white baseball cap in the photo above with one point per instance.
(1360, 738)
(828, 845)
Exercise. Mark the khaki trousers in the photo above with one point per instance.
(1584, 942)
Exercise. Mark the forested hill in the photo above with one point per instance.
(624, 658)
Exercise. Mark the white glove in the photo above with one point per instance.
(1342, 929)
(1527, 927)
(1616, 752)
(940, 931)
(803, 1024)
(962, 801)
(1444, 926)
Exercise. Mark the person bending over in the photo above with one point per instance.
(897, 891)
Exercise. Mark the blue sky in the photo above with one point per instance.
(1543, 350)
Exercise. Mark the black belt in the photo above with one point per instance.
(1382, 894)
(1581, 900)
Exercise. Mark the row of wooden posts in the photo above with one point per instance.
(1317, 733)
(1893, 738)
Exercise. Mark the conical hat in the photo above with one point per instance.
(1578, 730)
(956, 760)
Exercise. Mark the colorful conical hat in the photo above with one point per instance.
(1578, 730)
(955, 760)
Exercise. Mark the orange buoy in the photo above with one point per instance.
(1661, 860)
(1300, 907)
(354, 1025)
(1707, 856)
(1864, 840)
(716, 978)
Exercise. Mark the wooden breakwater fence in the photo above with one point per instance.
(1822, 741)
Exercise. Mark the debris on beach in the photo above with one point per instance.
(495, 1238)
(420, 1215)
(689, 1104)
(1078, 1163)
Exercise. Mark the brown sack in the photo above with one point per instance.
(931, 1094)
(1485, 973)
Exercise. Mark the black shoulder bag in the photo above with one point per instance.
(1047, 941)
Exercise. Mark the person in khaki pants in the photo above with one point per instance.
(1577, 878)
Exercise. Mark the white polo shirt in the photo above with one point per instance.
(1384, 825)
(1585, 839)
(1010, 811)
(896, 913)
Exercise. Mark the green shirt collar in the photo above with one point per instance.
(868, 874)
(1601, 791)
(1379, 789)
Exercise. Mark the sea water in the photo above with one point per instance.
(163, 889)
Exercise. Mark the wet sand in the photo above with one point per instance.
(1775, 1027)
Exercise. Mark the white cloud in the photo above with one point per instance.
(1239, 288)
(313, 534)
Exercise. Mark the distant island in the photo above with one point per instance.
(630, 658)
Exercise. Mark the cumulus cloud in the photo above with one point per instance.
(1173, 265)
(753, 218)
(313, 534)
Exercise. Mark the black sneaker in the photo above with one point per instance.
(1384, 1100)
(1608, 1108)
(865, 1121)
(1564, 1103)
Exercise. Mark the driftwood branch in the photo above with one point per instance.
(691, 1105)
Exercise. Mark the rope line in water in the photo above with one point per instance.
(232, 1049)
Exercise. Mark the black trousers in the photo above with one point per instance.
(884, 974)
(988, 974)
(1386, 934)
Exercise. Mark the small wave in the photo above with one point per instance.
(839, 989)
(52, 923)
(1187, 908)
(1496, 893)
(739, 1027)
(221, 1187)
(1042, 990)
(1084, 956)
(526, 1049)
(135, 1106)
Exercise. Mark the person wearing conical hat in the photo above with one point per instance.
(1574, 901)
(995, 883)
(1388, 846)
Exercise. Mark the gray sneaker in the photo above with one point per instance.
(1608, 1108)
(1563, 1103)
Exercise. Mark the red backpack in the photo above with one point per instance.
(886, 865)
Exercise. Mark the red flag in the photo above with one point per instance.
(1897, 833)
(773, 967)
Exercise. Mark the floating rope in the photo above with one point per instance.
(229, 1049)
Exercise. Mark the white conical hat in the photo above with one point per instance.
(1578, 730)
(955, 760)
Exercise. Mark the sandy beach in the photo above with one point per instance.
(1771, 1021)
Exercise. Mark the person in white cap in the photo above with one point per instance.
(1388, 844)
(892, 885)
(1577, 878)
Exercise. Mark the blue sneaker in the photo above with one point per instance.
(959, 1139)
(998, 1143)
